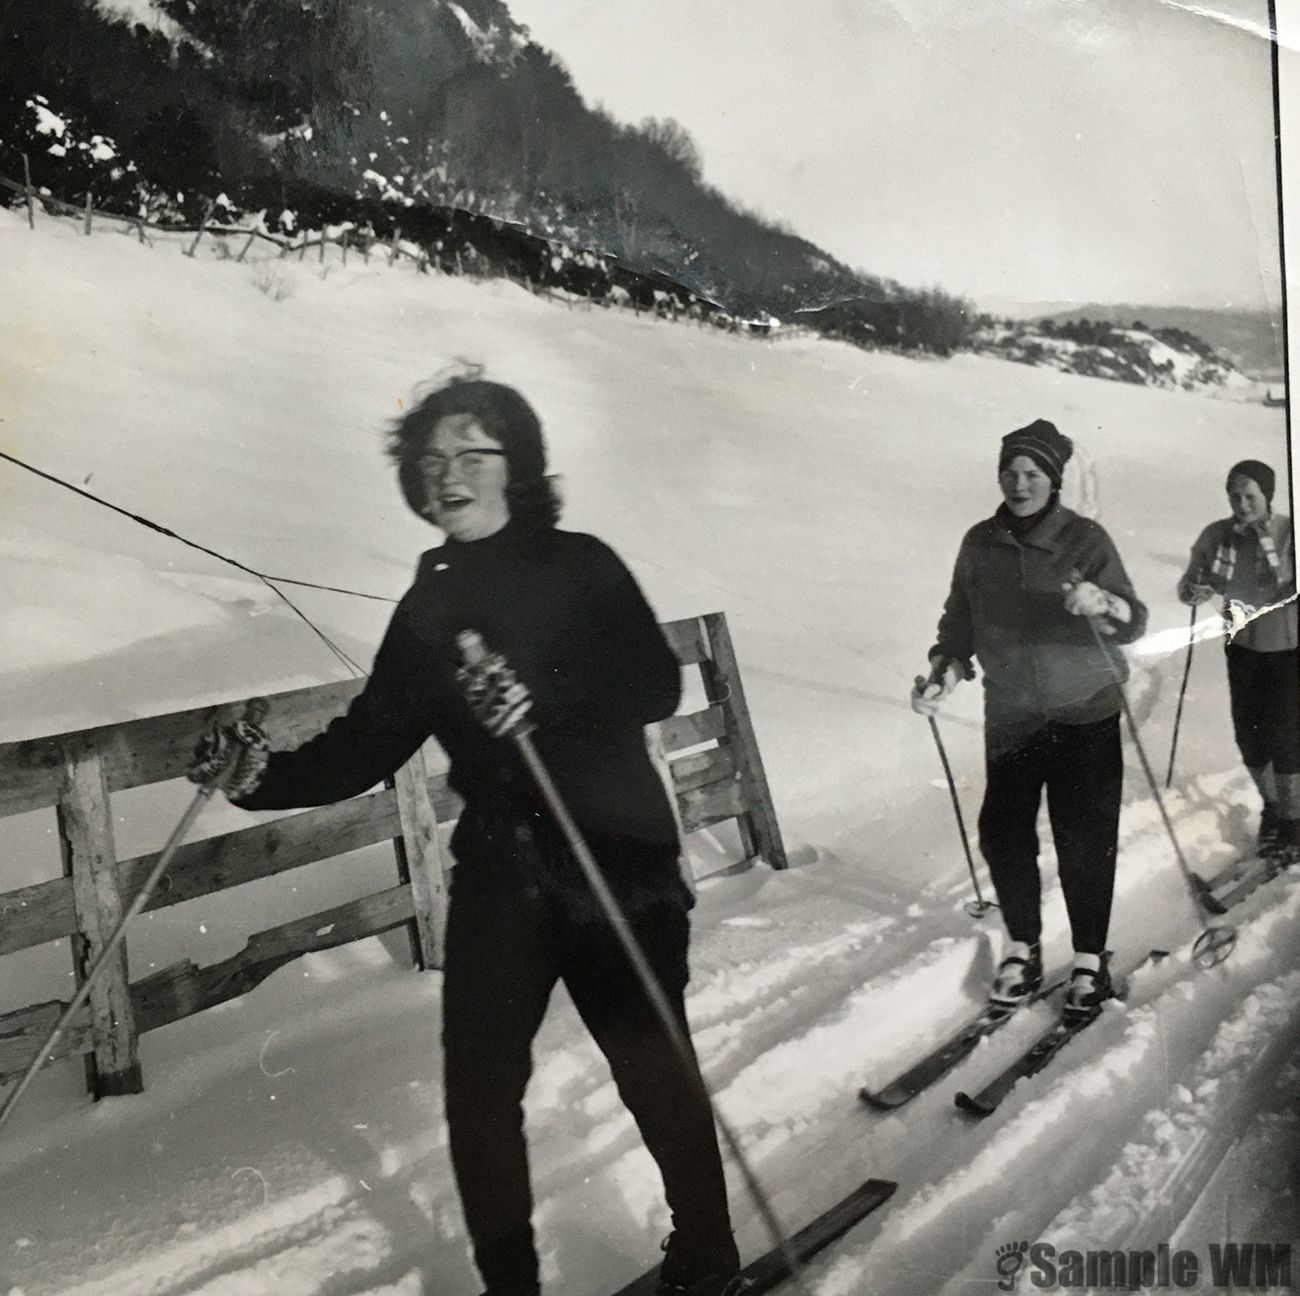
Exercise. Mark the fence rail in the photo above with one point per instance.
(351, 237)
(713, 762)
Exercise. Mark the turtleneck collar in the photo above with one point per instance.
(511, 536)
(1022, 526)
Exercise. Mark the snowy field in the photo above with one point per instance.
(291, 1142)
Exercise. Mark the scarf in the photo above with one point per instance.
(1225, 557)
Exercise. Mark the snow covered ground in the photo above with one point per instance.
(291, 1141)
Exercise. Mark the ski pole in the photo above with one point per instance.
(978, 907)
(1214, 944)
(502, 704)
(254, 713)
(1182, 693)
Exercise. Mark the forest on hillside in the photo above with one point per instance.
(439, 121)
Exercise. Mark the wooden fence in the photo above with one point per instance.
(713, 756)
(365, 241)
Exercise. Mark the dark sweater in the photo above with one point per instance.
(571, 621)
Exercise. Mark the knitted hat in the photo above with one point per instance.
(1260, 473)
(1047, 447)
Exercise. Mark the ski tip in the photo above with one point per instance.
(882, 1099)
(972, 1106)
(1205, 896)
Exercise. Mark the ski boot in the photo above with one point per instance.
(1266, 843)
(1089, 989)
(1286, 846)
(690, 1269)
(1020, 976)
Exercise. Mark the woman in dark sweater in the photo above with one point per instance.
(571, 621)
(1026, 583)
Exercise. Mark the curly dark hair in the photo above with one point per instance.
(531, 494)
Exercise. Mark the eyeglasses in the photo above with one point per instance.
(470, 462)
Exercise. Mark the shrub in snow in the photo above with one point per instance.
(71, 159)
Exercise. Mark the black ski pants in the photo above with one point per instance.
(1264, 688)
(507, 946)
(1082, 768)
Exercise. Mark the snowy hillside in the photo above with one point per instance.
(291, 1142)
(1168, 358)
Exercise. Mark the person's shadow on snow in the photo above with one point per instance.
(409, 1206)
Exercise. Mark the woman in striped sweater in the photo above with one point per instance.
(1248, 559)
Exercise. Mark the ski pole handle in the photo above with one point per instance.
(494, 693)
(232, 750)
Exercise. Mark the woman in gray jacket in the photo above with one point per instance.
(1027, 583)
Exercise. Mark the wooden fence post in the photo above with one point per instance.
(203, 224)
(27, 192)
(759, 831)
(248, 243)
(302, 247)
(321, 258)
(419, 861)
(86, 837)
(89, 212)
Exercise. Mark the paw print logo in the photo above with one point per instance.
(1010, 1260)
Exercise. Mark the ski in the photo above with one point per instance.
(1253, 873)
(1042, 1050)
(1203, 889)
(1231, 871)
(771, 1268)
(939, 1061)
(1235, 881)
(1030, 1062)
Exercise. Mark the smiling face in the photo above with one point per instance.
(465, 476)
(1025, 486)
(1247, 501)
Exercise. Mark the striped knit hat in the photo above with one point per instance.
(1047, 447)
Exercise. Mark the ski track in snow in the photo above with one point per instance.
(292, 1141)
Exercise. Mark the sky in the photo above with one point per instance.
(1012, 151)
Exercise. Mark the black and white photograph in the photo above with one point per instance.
(648, 648)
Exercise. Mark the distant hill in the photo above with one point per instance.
(1169, 356)
(1251, 339)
